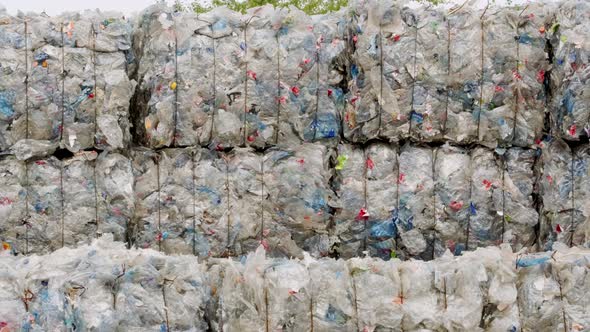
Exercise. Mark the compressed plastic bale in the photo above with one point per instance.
(211, 199)
(227, 30)
(330, 32)
(461, 283)
(520, 216)
(298, 68)
(12, 205)
(140, 295)
(571, 269)
(533, 64)
(451, 173)
(96, 89)
(261, 95)
(12, 276)
(416, 209)
(195, 89)
(332, 295)
(44, 82)
(116, 196)
(569, 37)
(485, 204)
(381, 74)
(539, 294)
(289, 302)
(296, 181)
(381, 173)
(500, 74)
(557, 191)
(500, 294)
(350, 217)
(417, 296)
(13, 56)
(185, 293)
(246, 193)
(463, 107)
(580, 227)
(164, 183)
(377, 308)
(156, 40)
(45, 228)
(429, 99)
(243, 295)
(80, 199)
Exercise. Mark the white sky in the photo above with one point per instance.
(53, 7)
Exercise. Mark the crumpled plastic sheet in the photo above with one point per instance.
(77, 87)
(366, 185)
(570, 72)
(68, 203)
(104, 286)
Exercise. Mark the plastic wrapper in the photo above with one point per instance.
(451, 208)
(299, 76)
(570, 73)
(429, 96)
(520, 216)
(299, 198)
(485, 206)
(261, 95)
(557, 191)
(464, 29)
(416, 210)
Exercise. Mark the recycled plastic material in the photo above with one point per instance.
(106, 286)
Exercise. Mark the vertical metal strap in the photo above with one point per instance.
(94, 33)
(194, 193)
(481, 80)
(176, 88)
(278, 101)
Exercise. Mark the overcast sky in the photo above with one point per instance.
(53, 7)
